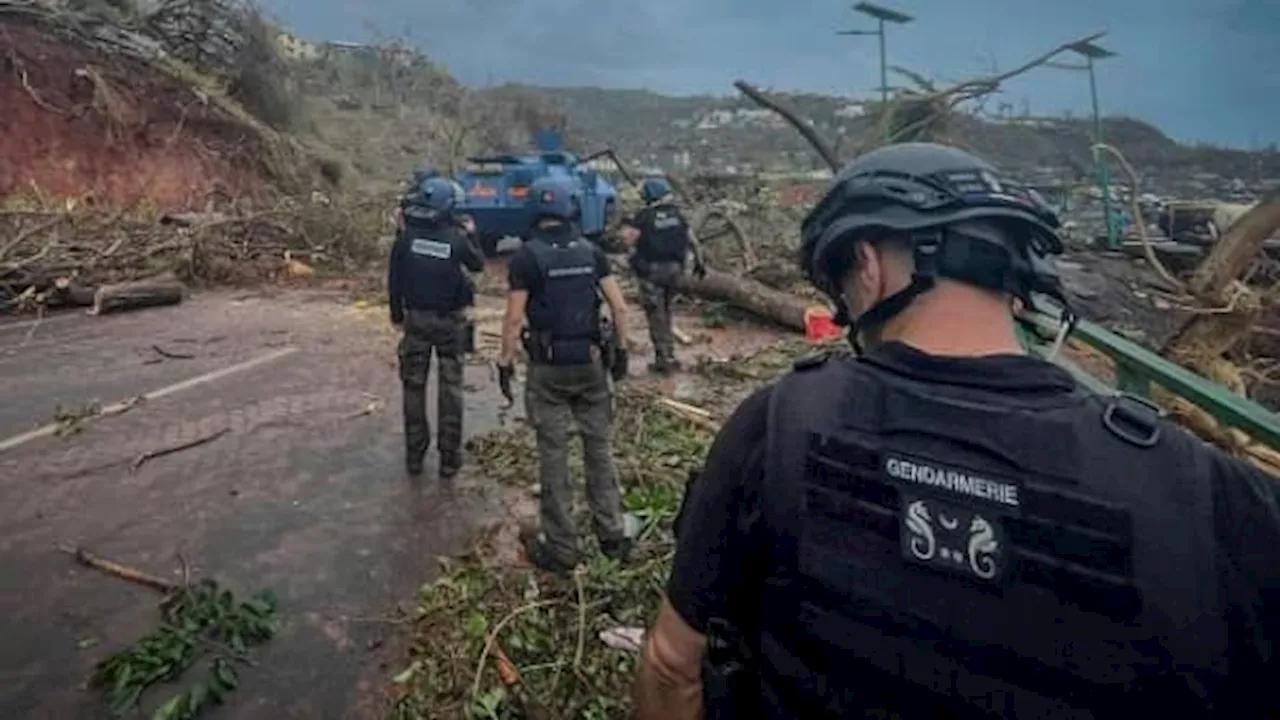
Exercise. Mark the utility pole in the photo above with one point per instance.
(1092, 52)
(881, 15)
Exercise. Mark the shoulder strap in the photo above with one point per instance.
(804, 400)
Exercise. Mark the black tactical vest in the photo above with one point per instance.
(434, 276)
(1045, 554)
(664, 235)
(564, 312)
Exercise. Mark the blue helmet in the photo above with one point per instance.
(654, 189)
(424, 173)
(437, 194)
(553, 197)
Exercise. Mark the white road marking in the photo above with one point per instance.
(119, 407)
(42, 321)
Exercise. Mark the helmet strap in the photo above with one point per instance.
(925, 255)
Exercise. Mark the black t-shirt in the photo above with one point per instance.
(718, 570)
(523, 272)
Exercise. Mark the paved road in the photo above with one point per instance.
(304, 494)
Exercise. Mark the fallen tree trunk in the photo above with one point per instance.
(1208, 335)
(136, 295)
(1238, 248)
(757, 298)
(68, 293)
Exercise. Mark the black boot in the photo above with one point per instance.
(660, 366)
(619, 549)
(543, 557)
(449, 466)
(413, 465)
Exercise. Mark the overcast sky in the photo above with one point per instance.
(1200, 69)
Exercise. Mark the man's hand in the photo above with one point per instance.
(699, 269)
(669, 679)
(468, 223)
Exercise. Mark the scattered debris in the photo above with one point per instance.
(70, 420)
(88, 559)
(200, 620)
(630, 639)
(172, 355)
(197, 621)
(197, 442)
(373, 404)
(481, 610)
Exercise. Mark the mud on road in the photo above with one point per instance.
(304, 493)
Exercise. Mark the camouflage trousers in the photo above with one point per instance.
(656, 294)
(555, 396)
(425, 332)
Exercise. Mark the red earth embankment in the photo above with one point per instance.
(75, 122)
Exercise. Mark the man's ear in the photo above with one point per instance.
(868, 273)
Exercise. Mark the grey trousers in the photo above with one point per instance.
(425, 332)
(656, 294)
(555, 395)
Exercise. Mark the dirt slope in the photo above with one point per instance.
(76, 122)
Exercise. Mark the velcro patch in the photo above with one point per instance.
(953, 517)
(663, 221)
(431, 248)
(924, 475)
(953, 538)
(571, 271)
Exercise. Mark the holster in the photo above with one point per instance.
(639, 265)
(543, 349)
(467, 336)
(730, 683)
(608, 343)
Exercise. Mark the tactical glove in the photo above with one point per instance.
(699, 270)
(505, 374)
(619, 366)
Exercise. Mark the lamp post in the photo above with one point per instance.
(881, 15)
(1091, 52)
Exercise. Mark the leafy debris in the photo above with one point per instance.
(200, 621)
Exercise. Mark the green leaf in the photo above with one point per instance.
(225, 674)
(475, 626)
(489, 702)
(171, 710)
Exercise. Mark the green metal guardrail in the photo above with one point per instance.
(1137, 369)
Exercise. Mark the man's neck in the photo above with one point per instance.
(939, 325)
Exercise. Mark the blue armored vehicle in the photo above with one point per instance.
(497, 192)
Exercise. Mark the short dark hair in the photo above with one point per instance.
(883, 239)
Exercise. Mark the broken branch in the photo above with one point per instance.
(791, 116)
(171, 355)
(153, 454)
(970, 89)
(88, 559)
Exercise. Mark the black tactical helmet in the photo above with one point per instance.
(964, 219)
